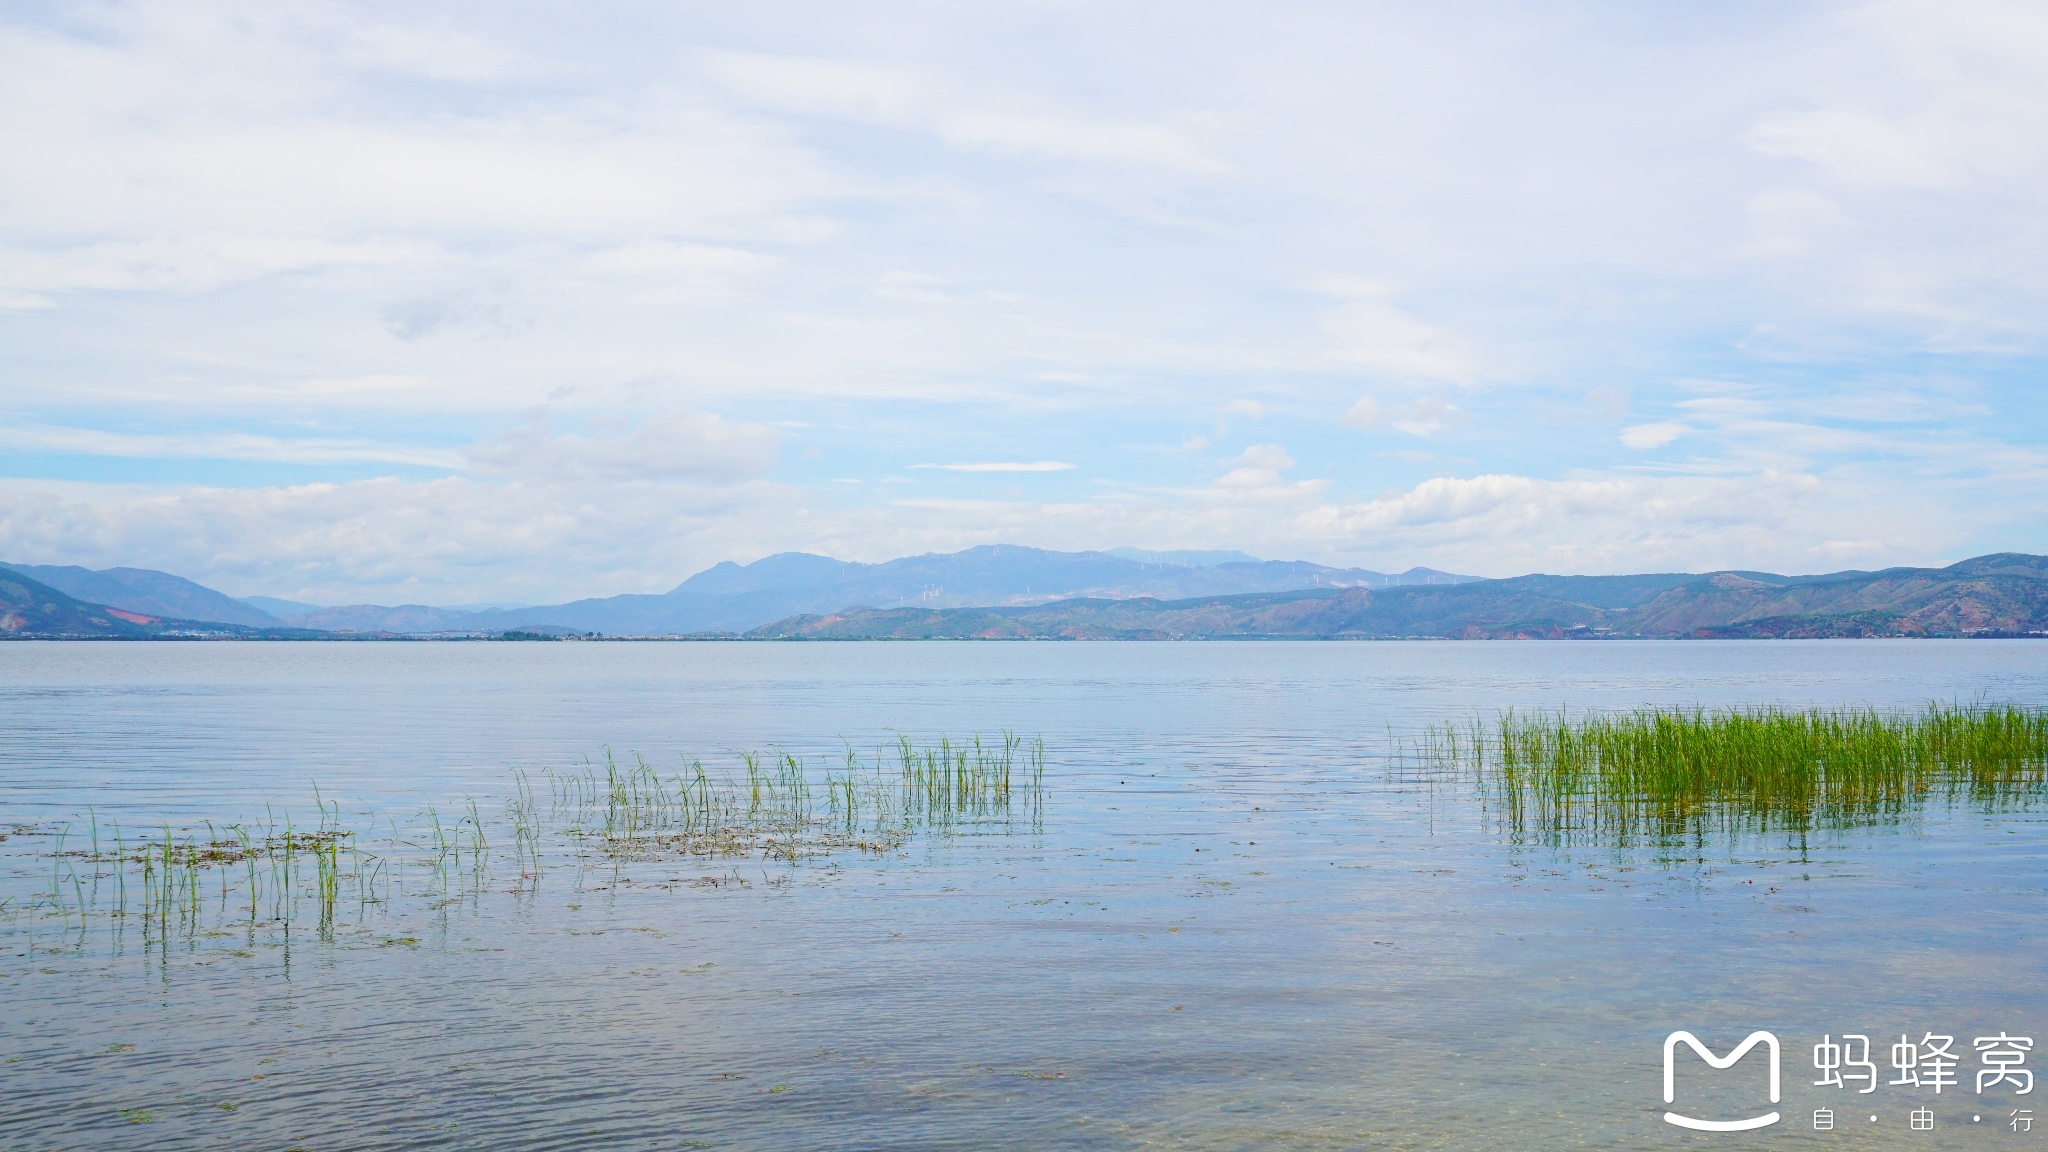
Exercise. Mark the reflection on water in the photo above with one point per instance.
(1238, 914)
(1661, 777)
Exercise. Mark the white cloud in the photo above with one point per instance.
(696, 447)
(181, 147)
(190, 263)
(1003, 466)
(915, 286)
(1653, 435)
(967, 120)
(1367, 329)
(1066, 136)
(245, 218)
(1257, 467)
(1796, 222)
(474, 312)
(41, 438)
(667, 446)
(1490, 524)
(712, 263)
(815, 86)
(1422, 417)
(394, 540)
(1854, 146)
(1271, 456)
(432, 49)
(1915, 132)
(1366, 413)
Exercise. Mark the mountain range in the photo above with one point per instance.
(1006, 592)
(732, 597)
(2003, 594)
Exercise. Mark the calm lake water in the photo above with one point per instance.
(1240, 921)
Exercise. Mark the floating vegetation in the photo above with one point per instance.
(170, 886)
(1651, 776)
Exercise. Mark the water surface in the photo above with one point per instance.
(1241, 921)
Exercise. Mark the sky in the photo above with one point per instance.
(521, 302)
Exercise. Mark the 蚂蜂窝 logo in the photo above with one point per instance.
(1671, 1044)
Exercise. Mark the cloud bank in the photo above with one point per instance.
(354, 300)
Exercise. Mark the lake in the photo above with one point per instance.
(1236, 911)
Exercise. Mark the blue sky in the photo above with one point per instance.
(451, 303)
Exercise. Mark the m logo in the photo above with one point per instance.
(1671, 1043)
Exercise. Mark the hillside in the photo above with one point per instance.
(2001, 594)
(146, 592)
(32, 610)
(1990, 593)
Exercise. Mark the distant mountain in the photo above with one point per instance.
(420, 619)
(282, 609)
(735, 597)
(2004, 594)
(405, 619)
(175, 603)
(1026, 593)
(32, 610)
(1314, 614)
(147, 592)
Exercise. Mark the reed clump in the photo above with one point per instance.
(775, 807)
(1655, 774)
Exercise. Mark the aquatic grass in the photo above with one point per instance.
(771, 806)
(524, 817)
(1662, 775)
(172, 873)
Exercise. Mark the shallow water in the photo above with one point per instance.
(1238, 924)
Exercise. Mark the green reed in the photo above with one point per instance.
(771, 805)
(172, 873)
(524, 817)
(1652, 774)
(278, 874)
